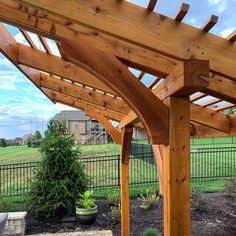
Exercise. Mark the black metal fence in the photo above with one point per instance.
(206, 164)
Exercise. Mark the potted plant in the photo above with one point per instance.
(86, 209)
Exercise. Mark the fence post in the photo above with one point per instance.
(118, 159)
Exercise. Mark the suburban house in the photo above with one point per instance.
(85, 129)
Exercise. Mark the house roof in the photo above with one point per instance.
(71, 115)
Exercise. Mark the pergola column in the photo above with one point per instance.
(176, 160)
(126, 137)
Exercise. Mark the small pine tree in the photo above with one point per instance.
(3, 142)
(29, 143)
(60, 177)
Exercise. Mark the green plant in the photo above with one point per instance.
(150, 232)
(60, 178)
(86, 201)
(116, 213)
(37, 136)
(29, 143)
(5, 204)
(198, 201)
(3, 142)
(230, 187)
(149, 199)
(114, 197)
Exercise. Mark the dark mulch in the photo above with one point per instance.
(220, 219)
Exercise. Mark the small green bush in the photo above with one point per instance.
(150, 232)
(60, 178)
(149, 199)
(116, 213)
(230, 187)
(5, 204)
(114, 197)
(198, 201)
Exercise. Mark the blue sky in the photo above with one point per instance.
(22, 104)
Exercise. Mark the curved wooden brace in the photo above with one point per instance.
(149, 109)
(115, 134)
(158, 153)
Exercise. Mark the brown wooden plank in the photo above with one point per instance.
(209, 24)
(188, 77)
(211, 102)
(116, 75)
(225, 107)
(55, 28)
(154, 83)
(126, 137)
(232, 37)
(120, 19)
(197, 97)
(45, 44)
(209, 118)
(83, 93)
(151, 5)
(158, 154)
(28, 38)
(57, 66)
(201, 131)
(182, 12)
(83, 105)
(176, 159)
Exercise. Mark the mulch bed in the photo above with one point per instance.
(220, 219)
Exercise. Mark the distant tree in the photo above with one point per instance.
(37, 136)
(3, 142)
(29, 143)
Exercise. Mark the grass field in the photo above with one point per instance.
(24, 154)
(14, 154)
(107, 172)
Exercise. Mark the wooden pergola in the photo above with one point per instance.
(99, 42)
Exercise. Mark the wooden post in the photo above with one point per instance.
(176, 159)
(126, 137)
(158, 153)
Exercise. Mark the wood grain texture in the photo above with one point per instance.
(158, 154)
(119, 19)
(150, 110)
(126, 137)
(176, 159)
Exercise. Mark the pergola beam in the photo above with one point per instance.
(86, 94)
(112, 72)
(83, 105)
(55, 65)
(119, 20)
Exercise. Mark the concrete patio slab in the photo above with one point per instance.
(84, 233)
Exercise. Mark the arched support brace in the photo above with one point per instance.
(114, 133)
(158, 153)
(149, 109)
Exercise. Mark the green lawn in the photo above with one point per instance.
(14, 154)
(106, 172)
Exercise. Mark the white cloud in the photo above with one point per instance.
(220, 5)
(213, 2)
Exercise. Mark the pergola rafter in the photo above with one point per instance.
(100, 42)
